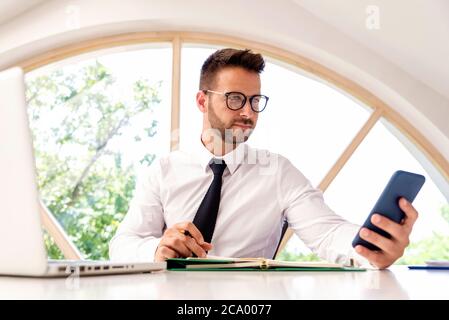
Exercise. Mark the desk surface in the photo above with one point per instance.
(396, 283)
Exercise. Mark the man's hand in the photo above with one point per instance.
(391, 249)
(181, 240)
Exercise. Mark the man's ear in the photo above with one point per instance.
(201, 101)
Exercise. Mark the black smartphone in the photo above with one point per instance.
(402, 184)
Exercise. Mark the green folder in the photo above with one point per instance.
(251, 264)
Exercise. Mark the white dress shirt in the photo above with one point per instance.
(260, 189)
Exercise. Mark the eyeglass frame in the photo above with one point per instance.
(246, 98)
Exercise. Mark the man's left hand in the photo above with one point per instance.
(393, 248)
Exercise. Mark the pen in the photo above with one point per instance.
(186, 233)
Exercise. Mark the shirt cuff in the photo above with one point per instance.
(146, 250)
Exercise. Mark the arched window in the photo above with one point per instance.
(346, 141)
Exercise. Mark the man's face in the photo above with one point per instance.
(235, 126)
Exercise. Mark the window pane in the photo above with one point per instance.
(308, 122)
(191, 121)
(96, 121)
(305, 120)
(357, 187)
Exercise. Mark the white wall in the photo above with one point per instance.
(281, 23)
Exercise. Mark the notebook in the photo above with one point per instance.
(252, 264)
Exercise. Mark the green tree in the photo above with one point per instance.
(435, 247)
(287, 255)
(77, 120)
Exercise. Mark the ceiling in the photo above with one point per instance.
(412, 34)
(12, 8)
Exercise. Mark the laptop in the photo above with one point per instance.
(22, 247)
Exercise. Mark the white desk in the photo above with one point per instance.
(396, 283)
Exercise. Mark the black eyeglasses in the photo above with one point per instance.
(236, 100)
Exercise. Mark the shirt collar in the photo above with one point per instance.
(232, 159)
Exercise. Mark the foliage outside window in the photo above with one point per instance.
(81, 119)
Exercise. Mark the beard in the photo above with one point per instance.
(227, 134)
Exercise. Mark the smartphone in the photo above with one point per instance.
(402, 184)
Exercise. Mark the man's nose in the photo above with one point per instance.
(246, 110)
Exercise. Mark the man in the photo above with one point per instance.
(225, 198)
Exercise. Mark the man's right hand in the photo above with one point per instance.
(181, 240)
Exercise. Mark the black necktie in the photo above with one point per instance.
(207, 212)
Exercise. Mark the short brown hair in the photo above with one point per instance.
(229, 57)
